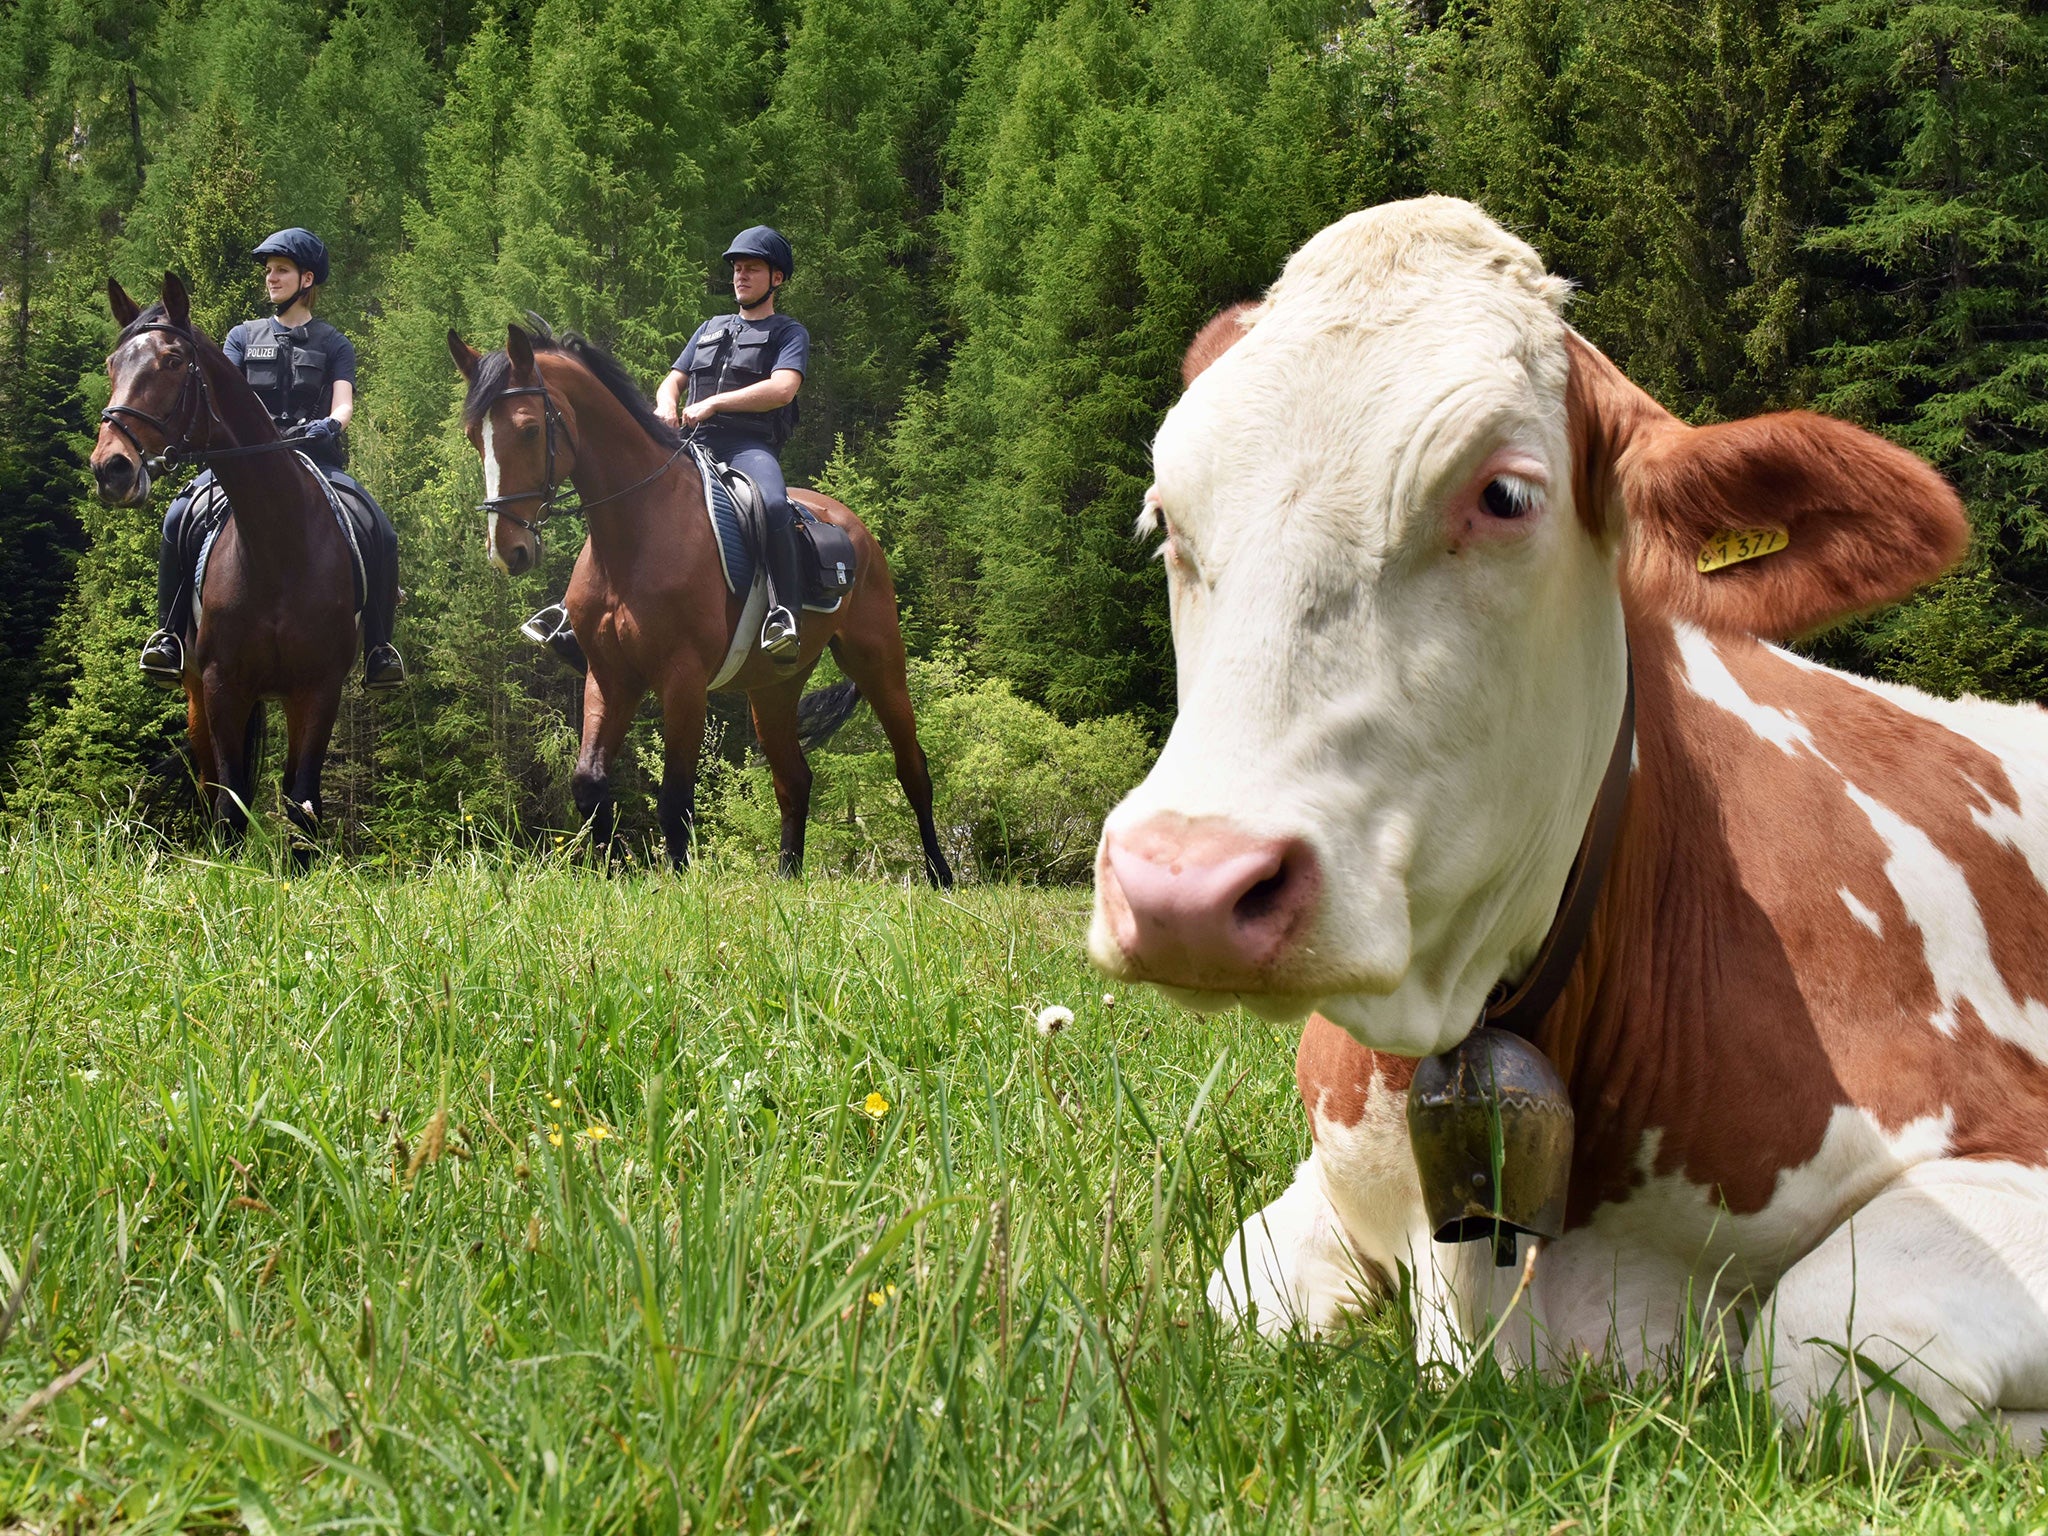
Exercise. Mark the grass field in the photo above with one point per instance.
(505, 1197)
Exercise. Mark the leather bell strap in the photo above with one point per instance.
(1523, 1010)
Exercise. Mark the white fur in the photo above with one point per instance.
(492, 476)
(1345, 677)
(1432, 716)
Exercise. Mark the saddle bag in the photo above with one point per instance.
(825, 555)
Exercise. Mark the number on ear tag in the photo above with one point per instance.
(1740, 544)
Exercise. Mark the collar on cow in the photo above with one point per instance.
(1522, 1010)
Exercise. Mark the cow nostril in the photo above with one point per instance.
(1262, 898)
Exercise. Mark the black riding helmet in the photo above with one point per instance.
(768, 245)
(303, 247)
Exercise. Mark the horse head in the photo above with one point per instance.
(525, 436)
(158, 399)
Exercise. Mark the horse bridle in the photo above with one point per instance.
(550, 494)
(195, 404)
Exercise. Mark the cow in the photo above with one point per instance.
(1418, 536)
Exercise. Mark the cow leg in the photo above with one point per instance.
(1938, 1287)
(1291, 1263)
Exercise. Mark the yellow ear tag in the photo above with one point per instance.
(1740, 544)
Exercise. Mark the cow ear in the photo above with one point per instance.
(1773, 526)
(1222, 333)
(467, 358)
(177, 302)
(125, 309)
(519, 348)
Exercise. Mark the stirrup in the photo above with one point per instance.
(163, 660)
(779, 638)
(551, 628)
(383, 668)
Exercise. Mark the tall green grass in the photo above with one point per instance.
(503, 1196)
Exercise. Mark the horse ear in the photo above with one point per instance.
(467, 358)
(519, 348)
(177, 302)
(125, 309)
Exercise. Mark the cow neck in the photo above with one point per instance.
(1522, 1010)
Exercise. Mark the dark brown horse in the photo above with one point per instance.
(277, 613)
(648, 600)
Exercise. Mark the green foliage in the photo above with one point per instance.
(1017, 794)
(289, 1146)
(1009, 215)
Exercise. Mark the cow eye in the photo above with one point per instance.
(1505, 499)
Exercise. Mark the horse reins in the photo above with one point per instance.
(195, 404)
(550, 495)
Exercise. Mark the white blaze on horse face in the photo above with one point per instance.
(1370, 661)
(492, 475)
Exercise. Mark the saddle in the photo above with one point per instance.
(825, 560)
(209, 514)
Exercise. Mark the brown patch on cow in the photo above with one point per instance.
(1728, 999)
(1223, 332)
(1868, 521)
(1335, 1073)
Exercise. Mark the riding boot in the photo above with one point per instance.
(163, 653)
(779, 640)
(382, 666)
(551, 628)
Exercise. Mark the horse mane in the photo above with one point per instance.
(494, 376)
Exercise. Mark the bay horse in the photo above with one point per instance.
(277, 610)
(648, 600)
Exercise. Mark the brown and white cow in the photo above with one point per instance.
(1416, 532)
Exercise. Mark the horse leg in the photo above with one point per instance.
(606, 719)
(775, 723)
(204, 765)
(228, 722)
(871, 655)
(682, 742)
(309, 725)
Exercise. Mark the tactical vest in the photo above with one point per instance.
(289, 376)
(738, 353)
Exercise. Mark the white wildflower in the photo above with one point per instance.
(1052, 1020)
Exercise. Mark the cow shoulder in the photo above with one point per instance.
(1864, 521)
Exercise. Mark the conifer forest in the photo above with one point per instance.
(1009, 218)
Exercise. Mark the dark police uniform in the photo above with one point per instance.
(730, 352)
(293, 370)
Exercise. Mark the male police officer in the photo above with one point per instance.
(743, 372)
(304, 370)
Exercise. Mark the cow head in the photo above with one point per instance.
(1404, 509)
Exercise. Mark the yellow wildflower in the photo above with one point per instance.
(875, 1105)
(596, 1133)
(554, 1135)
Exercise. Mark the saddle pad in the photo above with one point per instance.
(728, 528)
(216, 498)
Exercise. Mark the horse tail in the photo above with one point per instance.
(252, 738)
(819, 714)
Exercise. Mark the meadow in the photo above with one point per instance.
(498, 1195)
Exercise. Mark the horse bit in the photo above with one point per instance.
(550, 495)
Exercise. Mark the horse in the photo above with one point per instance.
(277, 610)
(648, 602)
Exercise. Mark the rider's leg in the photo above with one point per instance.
(382, 666)
(163, 654)
(785, 597)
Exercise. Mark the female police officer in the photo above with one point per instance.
(743, 372)
(305, 372)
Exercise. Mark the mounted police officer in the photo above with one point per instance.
(304, 370)
(742, 373)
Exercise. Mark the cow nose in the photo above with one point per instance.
(1204, 904)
